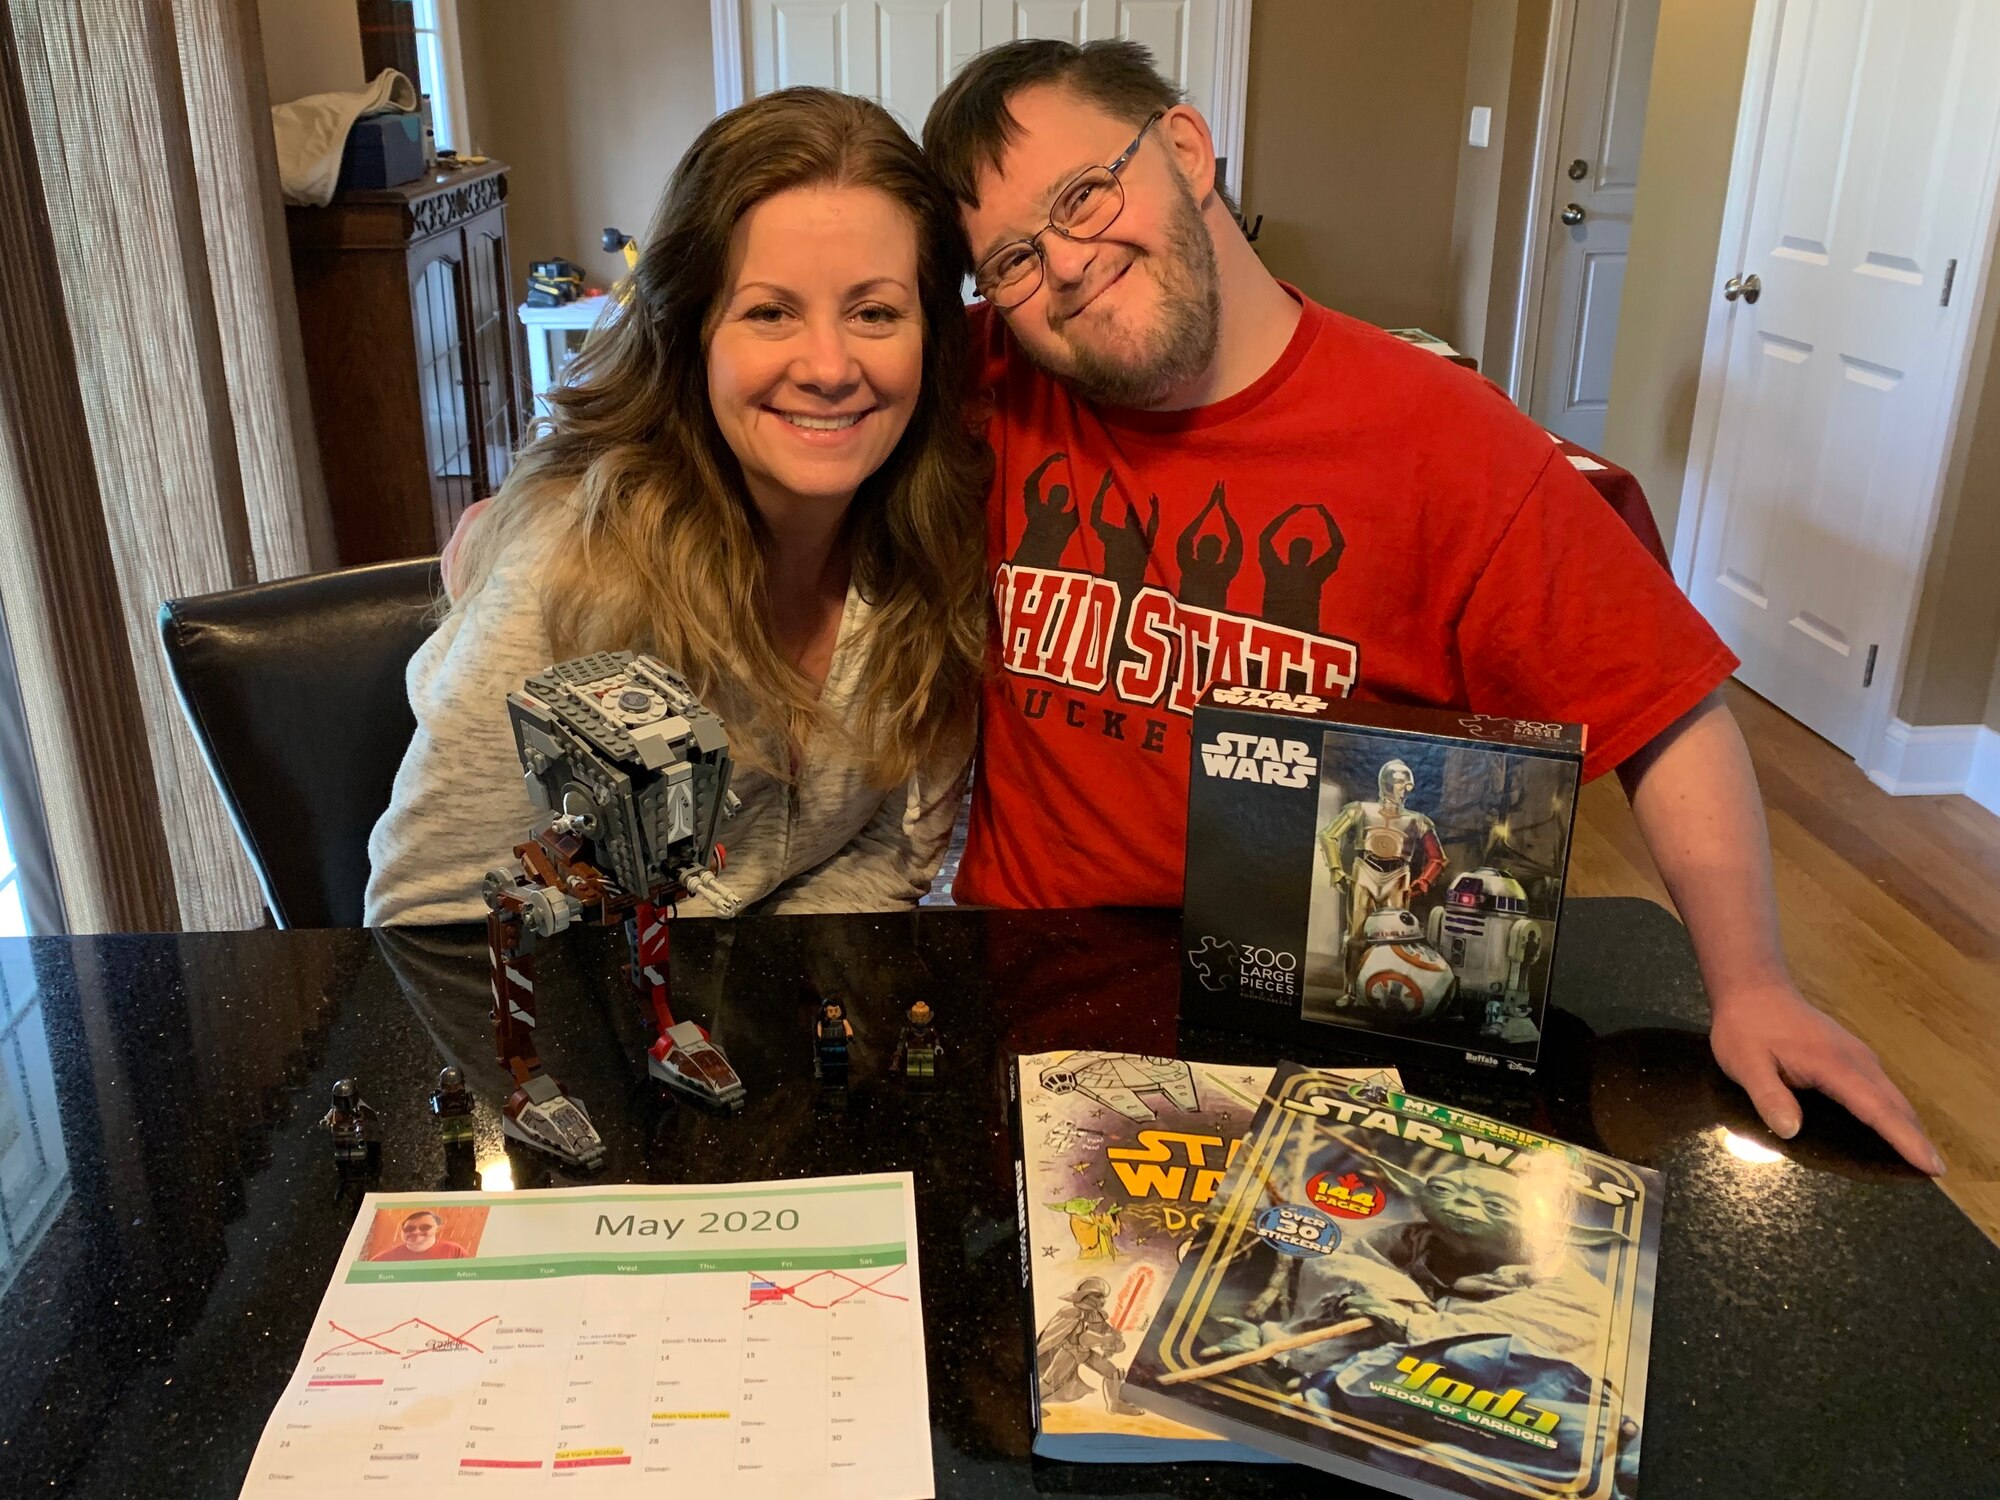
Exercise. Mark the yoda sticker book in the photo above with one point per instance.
(1414, 1296)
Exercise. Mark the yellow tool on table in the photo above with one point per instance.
(618, 239)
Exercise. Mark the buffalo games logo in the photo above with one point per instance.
(1346, 1194)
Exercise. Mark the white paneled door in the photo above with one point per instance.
(1857, 233)
(1589, 183)
(903, 52)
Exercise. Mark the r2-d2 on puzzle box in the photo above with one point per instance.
(1374, 876)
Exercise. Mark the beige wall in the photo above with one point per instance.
(591, 102)
(310, 47)
(1476, 208)
(1952, 671)
(1698, 64)
(1351, 151)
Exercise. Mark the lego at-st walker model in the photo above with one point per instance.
(633, 773)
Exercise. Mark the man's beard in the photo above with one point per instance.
(1183, 345)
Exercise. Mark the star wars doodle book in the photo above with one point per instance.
(1374, 876)
(1119, 1159)
(1415, 1297)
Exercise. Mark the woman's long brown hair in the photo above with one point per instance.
(651, 540)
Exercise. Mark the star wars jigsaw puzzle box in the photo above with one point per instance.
(1376, 877)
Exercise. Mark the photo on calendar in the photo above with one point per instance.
(424, 1233)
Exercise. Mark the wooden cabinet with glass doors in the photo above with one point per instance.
(406, 315)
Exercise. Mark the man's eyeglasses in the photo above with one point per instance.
(1083, 210)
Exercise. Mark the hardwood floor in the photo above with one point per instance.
(1890, 908)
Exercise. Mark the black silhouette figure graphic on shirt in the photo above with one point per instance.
(1127, 543)
(1127, 546)
(1207, 563)
(1292, 584)
(1051, 522)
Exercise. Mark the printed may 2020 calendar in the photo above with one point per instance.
(750, 1339)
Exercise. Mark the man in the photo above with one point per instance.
(421, 1242)
(1138, 351)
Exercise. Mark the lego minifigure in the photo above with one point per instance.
(832, 1031)
(452, 1107)
(347, 1123)
(918, 1050)
(631, 772)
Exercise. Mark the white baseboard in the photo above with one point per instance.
(1982, 785)
(1931, 760)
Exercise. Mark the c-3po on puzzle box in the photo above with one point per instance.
(1374, 875)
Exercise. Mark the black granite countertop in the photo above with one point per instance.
(1824, 1324)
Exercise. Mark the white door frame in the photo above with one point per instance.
(1520, 382)
(1232, 74)
(1232, 90)
(1973, 283)
(732, 58)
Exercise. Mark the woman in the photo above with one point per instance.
(759, 472)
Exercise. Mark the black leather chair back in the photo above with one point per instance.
(295, 693)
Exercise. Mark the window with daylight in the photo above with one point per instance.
(418, 39)
(432, 76)
(13, 911)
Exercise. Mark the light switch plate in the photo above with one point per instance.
(1482, 125)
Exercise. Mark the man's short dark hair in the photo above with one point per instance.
(970, 125)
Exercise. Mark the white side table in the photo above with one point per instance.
(554, 336)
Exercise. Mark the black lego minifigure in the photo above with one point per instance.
(831, 1033)
(918, 1050)
(452, 1106)
(347, 1123)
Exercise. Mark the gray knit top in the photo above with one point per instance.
(830, 841)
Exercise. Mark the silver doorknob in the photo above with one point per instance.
(1749, 288)
(1573, 214)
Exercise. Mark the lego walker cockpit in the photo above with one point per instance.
(631, 771)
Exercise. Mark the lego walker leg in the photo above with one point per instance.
(650, 971)
(538, 1113)
(682, 1056)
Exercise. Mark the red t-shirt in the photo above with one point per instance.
(1365, 518)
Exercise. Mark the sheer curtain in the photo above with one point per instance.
(154, 441)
